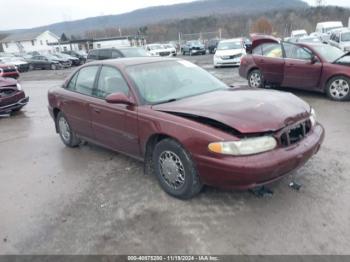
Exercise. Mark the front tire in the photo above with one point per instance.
(68, 136)
(338, 88)
(175, 170)
(255, 79)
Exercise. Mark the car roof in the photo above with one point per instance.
(232, 40)
(131, 61)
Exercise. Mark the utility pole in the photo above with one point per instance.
(320, 2)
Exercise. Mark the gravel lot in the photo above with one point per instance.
(56, 200)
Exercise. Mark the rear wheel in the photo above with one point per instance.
(67, 135)
(338, 88)
(255, 79)
(175, 170)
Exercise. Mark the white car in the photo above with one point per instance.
(158, 50)
(298, 33)
(18, 62)
(341, 39)
(229, 52)
(171, 48)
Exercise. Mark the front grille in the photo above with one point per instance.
(295, 133)
(8, 69)
(164, 53)
(6, 92)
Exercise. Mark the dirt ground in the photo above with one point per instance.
(56, 200)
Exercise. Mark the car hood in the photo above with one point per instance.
(6, 82)
(229, 52)
(244, 109)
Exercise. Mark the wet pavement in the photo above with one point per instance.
(56, 200)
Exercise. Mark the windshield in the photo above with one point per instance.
(329, 53)
(345, 37)
(328, 29)
(230, 45)
(155, 47)
(172, 80)
(134, 52)
(195, 43)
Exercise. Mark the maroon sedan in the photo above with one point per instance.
(315, 67)
(12, 97)
(189, 128)
(8, 71)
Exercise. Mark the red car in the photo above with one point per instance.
(189, 128)
(315, 67)
(9, 71)
(12, 97)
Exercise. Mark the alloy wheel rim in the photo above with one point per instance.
(339, 88)
(64, 129)
(172, 169)
(255, 79)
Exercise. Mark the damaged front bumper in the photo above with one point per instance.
(14, 106)
(252, 171)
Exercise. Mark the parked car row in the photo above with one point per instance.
(11, 65)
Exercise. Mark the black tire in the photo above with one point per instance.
(73, 140)
(338, 88)
(190, 184)
(253, 79)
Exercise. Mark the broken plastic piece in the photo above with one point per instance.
(261, 192)
(294, 185)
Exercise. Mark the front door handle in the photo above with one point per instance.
(97, 110)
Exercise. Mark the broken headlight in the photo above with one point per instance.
(247, 146)
(313, 117)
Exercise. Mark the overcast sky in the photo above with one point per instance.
(15, 14)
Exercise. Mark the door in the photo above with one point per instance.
(114, 125)
(300, 71)
(75, 102)
(271, 62)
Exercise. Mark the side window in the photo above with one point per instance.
(257, 50)
(116, 54)
(72, 82)
(111, 81)
(105, 54)
(272, 50)
(85, 80)
(297, 52)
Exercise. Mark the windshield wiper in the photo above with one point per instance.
(166, 101)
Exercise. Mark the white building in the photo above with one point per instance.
(29, 42)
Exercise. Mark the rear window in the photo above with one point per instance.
(92, 55)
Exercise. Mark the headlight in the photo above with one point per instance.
(248, 146)
(19, 87)
(313, 117)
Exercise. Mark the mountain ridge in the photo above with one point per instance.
(156, 14)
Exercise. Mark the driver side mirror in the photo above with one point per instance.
(314, 59)
(118, 98)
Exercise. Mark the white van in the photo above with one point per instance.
(325, 27)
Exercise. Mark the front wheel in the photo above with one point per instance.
(67, 135)
(175, 170)
(255, 79)
(338, 88)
